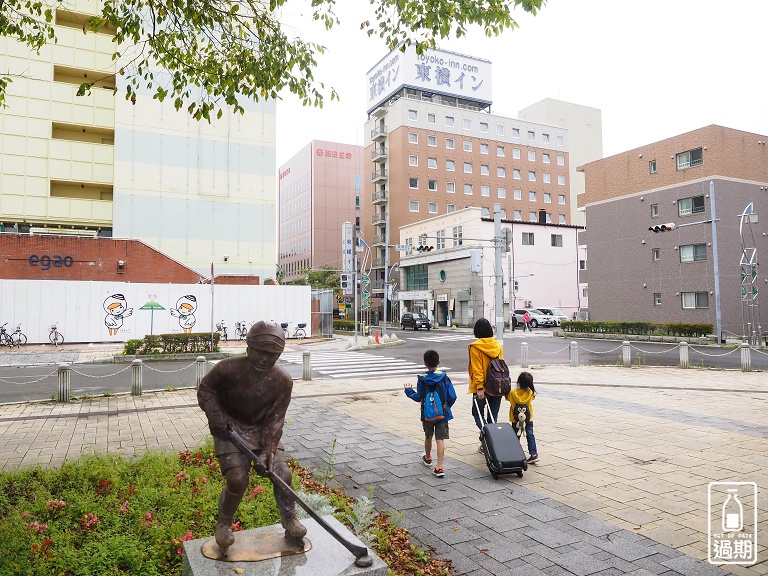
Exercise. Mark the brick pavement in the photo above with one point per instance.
(626, 458)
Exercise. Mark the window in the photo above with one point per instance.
(656, 254)
(652, 166)
(689, 158)
(547, 177)
(561, 140)
(431, 119)
(432, 185)
(657, 298)
(695, 299)
(560, 160)
(413, 138)
(527, 238)
(545, 138)
(693, 253)
(518, 215)
(561, 219)
(531, 196)
(561, 199)
(413, 183)
(500, 151)
(545, 158)
(413, 115)
(582, 264)
(467, 146)
(499, 130)
(485, 190)
(654, 210)
(501, 192)
(515, 132)
(450, 187)
(515, 173)
(531, 135)
(503, 214)
(431, 162)
(547, 198)
(450, 165)
(531, 155)
(458, 236)
(485, 212)
(483, 148)
(431, 140)
(449, 120)
(450, 143)
(450, 208)
(413, 205)
(467, 167)
(416, 277)
(516, 153)
(501, 172)
(688, 206)
(531, 176)
(483, 126)
(422, 239)
(468, 189)
(583, 290)
(557, 240)
(517, 194)
(413, 160)
(485, 170)
(433, 207)
(467, 124)
(440, 244)
(561, 179)
(532, 217)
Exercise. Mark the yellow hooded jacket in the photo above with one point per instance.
(480, 353)
(520, 396)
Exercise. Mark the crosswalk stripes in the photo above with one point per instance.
(356, 364)
(461, 336)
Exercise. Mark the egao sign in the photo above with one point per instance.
(45, 262)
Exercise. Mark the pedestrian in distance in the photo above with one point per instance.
(521, 412)
(526, 321)
(481, 351)
(435, 392)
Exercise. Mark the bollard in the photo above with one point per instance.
(524, 355)
(136, 368)
(199, 370)
(683, 354)
(626, 354)
(63, 392)
(746, 357)
(307, 373)
(574, 352)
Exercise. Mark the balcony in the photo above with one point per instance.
(379, 197)
(377, 263)
(377, 285)
(379, 239)
(378, 133)
(379, 219)
(379, 153)
(379, 175)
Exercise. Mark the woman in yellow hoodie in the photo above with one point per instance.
(521, 411)
(480, 353)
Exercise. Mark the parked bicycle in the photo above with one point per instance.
(298, 333)
(56, 337)
(5, 338)
(240, 330)
(222, 329)
(18, 337)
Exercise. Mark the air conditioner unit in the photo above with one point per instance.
(528, 304)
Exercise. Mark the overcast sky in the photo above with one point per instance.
(656, 68)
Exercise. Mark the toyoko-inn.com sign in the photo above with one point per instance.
(435, 71)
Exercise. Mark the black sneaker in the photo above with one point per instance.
(426, 461)
(533, 458)
(438, 472)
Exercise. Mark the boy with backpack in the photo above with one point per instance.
(436, 394)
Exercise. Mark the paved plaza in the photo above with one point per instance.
(626, 458)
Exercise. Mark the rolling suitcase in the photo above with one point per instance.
(503, 452)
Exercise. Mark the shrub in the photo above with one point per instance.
(637, 328)
(194, 343)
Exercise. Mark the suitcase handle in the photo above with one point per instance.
(477, 407)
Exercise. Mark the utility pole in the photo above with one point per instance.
(386, 271)
(499, 307)
(715, 263)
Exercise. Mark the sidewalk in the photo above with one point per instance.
(626, 457)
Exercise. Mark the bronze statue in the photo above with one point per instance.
(250, 395)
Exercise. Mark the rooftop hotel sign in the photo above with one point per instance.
(435, 72)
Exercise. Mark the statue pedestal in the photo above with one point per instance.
(325, 557)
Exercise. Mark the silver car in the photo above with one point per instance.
(538, 318)
(556, 313)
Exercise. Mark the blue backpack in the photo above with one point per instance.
(433, 404)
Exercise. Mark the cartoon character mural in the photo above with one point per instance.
(116, 308)
(185, 312)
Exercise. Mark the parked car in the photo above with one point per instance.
(556, 313)
(415, 320)
(538, 318)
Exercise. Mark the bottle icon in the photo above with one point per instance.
(733, 512)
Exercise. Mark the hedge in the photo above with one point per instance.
(346, 325)
(639, 328)
(193, 343)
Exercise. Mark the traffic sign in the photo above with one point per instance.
(401, 247)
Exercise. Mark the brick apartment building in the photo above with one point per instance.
(637, 274)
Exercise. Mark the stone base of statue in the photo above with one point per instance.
(265, 552)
